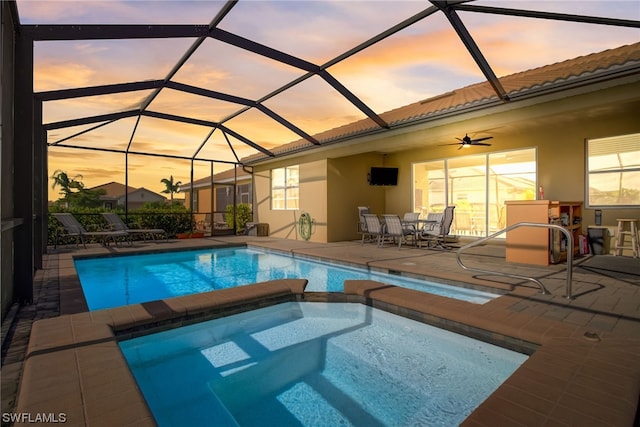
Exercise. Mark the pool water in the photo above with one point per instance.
(315, 364)
(122, 280)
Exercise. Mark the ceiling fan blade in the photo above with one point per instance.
(480, 139)
(466, 141)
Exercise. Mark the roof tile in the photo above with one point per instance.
(545, 77)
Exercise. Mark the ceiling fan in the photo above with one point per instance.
(467, 141)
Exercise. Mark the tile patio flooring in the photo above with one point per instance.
(585, 371)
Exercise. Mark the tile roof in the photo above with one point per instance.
(224, 176)
(545, 79)
(114, 189)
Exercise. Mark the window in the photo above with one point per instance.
(194, 200)
(244, 193)
(284, 188)
(477, 186)
(224, 197)
(613, 171)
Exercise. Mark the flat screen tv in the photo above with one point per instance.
(383, 176)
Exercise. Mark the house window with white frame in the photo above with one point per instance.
(613, 171)
(285, 185)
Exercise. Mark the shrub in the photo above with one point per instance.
(243, 215)
(90, 219)
(173, 220)
(176, 219)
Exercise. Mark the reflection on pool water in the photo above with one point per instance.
(121, 280)
(322, 364)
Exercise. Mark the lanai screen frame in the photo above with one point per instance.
(202, 32)
(32, 133)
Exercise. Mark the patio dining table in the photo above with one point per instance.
(418, 225)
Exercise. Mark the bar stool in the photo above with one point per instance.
(622, 233)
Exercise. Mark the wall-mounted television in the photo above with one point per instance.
(383, 176)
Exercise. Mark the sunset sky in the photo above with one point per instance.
(419, 62)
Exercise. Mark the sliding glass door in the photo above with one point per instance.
(512, 176)
(467, 177)
(477, 185)
(429, 189)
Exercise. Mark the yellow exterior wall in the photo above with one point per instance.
(330, 191)
(561, 160)
(204, 199)
(313, 200)
(204, 202)
(348, 189)
(336, 176)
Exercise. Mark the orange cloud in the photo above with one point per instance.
(201, 75)
(61, 75)
(440, 47)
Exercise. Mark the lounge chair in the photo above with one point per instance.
(205, 223)
(117, 224)
(73, 228)
(374, 228)
(437, 232)
(394, 229)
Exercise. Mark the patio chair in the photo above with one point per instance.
(410, 222)
(432, 222)
(73, 228)
(463, 223)
(219, 221)
(411, 217)
(438, 232)
(373, 229)
(362, 225)
(393, 228)
(117, 224)
(205, 223)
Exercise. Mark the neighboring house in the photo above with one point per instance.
(569, 131)
(118, 194)
(225, 184)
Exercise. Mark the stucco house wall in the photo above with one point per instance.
(137, 198)
(313, 200)
(333, 180)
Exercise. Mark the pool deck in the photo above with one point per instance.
(583, 370)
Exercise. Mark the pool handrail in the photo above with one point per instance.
(543, 290)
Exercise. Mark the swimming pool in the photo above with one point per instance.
(322, 364)
(122, 280)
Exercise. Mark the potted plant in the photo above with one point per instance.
(190, 235)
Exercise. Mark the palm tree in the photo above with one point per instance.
(172, 187)
(60, 178)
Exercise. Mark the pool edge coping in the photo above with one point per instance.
(83, 347)
(74, 366)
